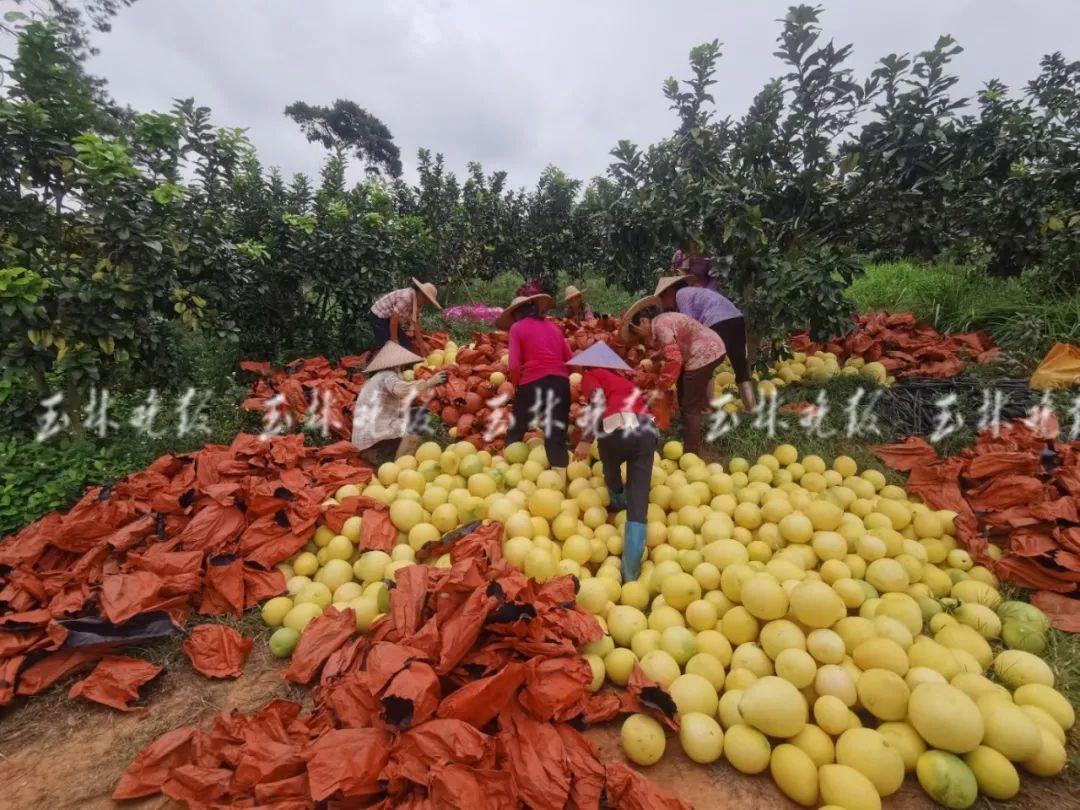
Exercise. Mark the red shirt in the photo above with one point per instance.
(620, 395)
(537, 349)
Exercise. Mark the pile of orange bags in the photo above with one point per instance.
(309, 387)
(465, 696)
(904, 346)
(314, 389)
(197, 532)
(1018, 490)
(466, 402)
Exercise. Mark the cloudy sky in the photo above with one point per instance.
(519, 85)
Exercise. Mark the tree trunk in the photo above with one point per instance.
(73, 402)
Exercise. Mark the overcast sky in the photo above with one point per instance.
(519, 85)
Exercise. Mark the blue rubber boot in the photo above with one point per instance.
(633, 549)
(618, 502)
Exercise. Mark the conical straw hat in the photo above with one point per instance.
(543, 302)
(635, 308)
(667, 282)
(392, 355)
(428, 291)
(599, 355)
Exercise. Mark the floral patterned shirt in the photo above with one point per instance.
(686, 344)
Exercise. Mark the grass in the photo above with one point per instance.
(1022, 314)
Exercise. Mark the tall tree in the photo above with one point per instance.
(347, 126)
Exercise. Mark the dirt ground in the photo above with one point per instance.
(60, 753)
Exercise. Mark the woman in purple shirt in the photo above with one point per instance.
(711, 309)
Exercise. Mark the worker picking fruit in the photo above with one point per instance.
(625, 435)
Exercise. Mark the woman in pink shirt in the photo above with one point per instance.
(541, 378)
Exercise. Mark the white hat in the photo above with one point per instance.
(599, 355)
(391, 355)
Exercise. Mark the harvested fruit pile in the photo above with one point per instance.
(197, 532)
(478, 375)
(808, 621)
(313, 389)
(460, 697)
(307, 384)
(817, 367)
(1015, 496)
(905, 347)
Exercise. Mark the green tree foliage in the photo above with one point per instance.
(346, 126)
(122, 233)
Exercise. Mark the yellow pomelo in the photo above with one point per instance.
(642, 739)
(871, 754)
(1051, 757)
(679, 643)
(843, 786)
(995, 775)
(774, 706)
(693, 693)
(747, 749)
(795, 774)
(1049, 700)
(884, 694)
(1009, 730)
(301, 615)
(815, 604)
(906, 740)
(623, 622)
(619, 663)
(881, 653)
(701, 737)
(1016, 668)
(274, 611)
(945, 717)
(306, 564)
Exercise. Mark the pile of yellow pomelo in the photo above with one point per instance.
(807, 620)
(801, 367)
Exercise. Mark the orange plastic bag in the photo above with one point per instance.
(321, 638)
(217, 651)
(116, 681)
(1059, 369)
(347, 762)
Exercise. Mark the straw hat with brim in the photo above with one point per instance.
(667, 282)
(428, 291)
(571, 292)
(599, 355)
(635, 308)
(543, 302)
(391, 355)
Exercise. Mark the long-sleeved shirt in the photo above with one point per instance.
(620, 395)
(401, 302)
(537, 349)
(685, 344)
(707, 307)
(380, 410)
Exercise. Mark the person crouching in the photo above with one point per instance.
(625, 433)
(385, 420)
